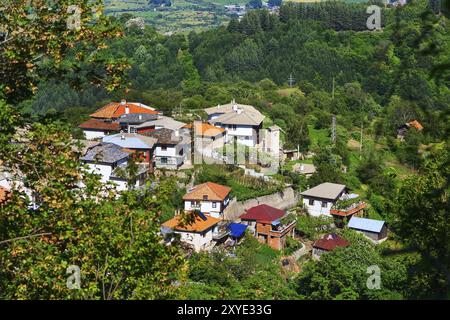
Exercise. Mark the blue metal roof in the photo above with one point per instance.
(366, 224)
(237, 229)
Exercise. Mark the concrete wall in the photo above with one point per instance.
(285, 199)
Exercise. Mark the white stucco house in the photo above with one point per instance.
(170, 148)
(110, 162)
(199, 234)
(210, 198)
(242, 123)
(320, 199)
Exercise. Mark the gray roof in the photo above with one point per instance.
(235, 113)
(325, 190)
(165, 136)
(120, 172)
(226, 108)
(240, 118)
(163, 121)
(307, 168)
(366, 224)
(106, 153)
(136, 118)
(84, 144)
(131, 140)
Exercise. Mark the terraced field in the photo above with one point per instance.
(183, 15)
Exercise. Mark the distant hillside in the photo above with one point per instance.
(181, 15)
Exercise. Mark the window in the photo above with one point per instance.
(324, 204)
(164, 160)
(133, 130)
(163, 148)
(214, 204)
(311, 202)
(234, 127)
(247, 137)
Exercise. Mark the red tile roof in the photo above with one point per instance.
(263, 213)
(100, 125)
(330, 241)
(212, 190)
(114, 110)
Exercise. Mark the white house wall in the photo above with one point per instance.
(198, 240)
(316, 209)
(90, 134)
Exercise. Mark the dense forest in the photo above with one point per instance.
(371, 81)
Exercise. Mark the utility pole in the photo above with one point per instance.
(361, 142)
(332, 90)
(290, 80)
(333, 130)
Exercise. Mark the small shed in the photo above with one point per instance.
(373, 229)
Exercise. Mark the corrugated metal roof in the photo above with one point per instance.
(366, 224)
(325, 190)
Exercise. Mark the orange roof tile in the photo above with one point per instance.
(211, 190)
(199, 224)
(114, 110)
(207, 130)
(3, 194)
(416, 124)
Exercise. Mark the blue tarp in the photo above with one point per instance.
(237, 229)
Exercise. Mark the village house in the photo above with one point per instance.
(199, 234)
(208, 197)
(320, 199)
(97, 129)
(141, 146)
(242, 123)
(207, 138)
(170, 149)
(375, 230)
(110, 162)
(328, 243)
(403, 129)
(304, 169)
(265, 223)
(104, 121)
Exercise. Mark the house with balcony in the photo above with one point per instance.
(242, 123)
(170, 148)
(320, 199)
(207, 137)
(344, 209)
(142, 147)
(266, 223)
(209, 197)
(111, 163)
(105, 120)
(199, 234)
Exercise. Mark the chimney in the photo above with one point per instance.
(239, 111)
(123, 102)
(122, 136)
(177, 134)
(302, 167)
(140, 117)
(127, 110)
(234, 105)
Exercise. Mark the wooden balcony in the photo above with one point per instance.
(355, 209)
